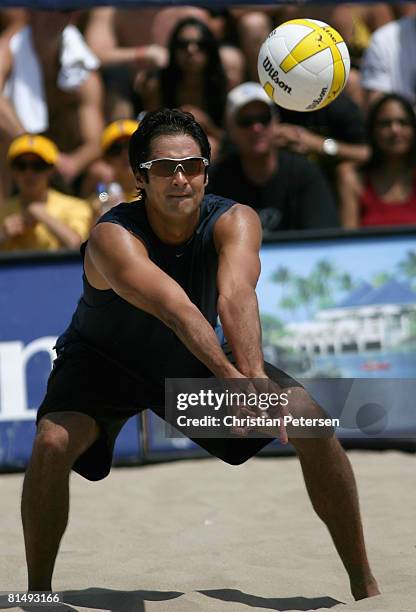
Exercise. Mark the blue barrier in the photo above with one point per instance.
(37, 298)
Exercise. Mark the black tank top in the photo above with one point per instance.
(142, 343)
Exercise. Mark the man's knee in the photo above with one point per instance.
(60, 440)
(309, 420)
(315, 447)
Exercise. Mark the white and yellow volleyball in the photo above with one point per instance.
(303, 64)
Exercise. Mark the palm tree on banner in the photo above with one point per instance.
(407, 267)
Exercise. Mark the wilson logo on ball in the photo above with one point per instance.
(307, 60)
(274, 75)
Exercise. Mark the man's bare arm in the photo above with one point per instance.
(101, 38)
(237, 238)
(99, 33)
(91, 124)
(123, 262)
(304, 141)
(349, 188)
(66, 235)
(9, 122)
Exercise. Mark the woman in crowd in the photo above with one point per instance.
(193, 80)
(383, 191)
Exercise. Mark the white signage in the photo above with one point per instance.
(14, 357)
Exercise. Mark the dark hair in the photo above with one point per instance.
(215, 84)
(378, 155)
(164, 122)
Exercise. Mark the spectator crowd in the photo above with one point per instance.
(74, 85)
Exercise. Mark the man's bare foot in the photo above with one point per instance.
(363, 589)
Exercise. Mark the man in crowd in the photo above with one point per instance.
(330, 136)
(49, 84)
(287, 190)
(389, 63)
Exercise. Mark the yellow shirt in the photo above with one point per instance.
(75, 213)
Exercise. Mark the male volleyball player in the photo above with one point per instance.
(157, 274)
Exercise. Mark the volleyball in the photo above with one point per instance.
(303, 64)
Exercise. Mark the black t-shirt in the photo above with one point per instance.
(107, 323)
(341, 120)
(295, 197)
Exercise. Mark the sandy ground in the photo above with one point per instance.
(202, 536)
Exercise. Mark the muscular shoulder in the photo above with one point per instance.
(239, 223)
(240, 213)
(107, 233)
(110, 247)
(113, 245)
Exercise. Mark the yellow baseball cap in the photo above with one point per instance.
(123, 128)
(38, 145)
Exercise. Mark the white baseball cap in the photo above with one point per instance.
(244, 94)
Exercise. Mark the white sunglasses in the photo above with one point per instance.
(167, 166)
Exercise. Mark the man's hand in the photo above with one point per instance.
(16, 225)
(263, 388)
(298, 139)
(239, 384)
(35, 210)
(157, 55)
(270, 389)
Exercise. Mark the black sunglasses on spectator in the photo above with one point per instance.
(117, 148)
(36, 166)
(247, 121)
(184, 43)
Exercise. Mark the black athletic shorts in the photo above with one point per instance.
(83, 380)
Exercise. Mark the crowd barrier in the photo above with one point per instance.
(334, 306)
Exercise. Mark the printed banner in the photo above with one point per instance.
(338, 314)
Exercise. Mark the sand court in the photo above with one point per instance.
(202, 536)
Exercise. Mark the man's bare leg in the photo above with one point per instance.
(61, 438)
(331, 486)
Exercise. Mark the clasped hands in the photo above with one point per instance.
(260, 400)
